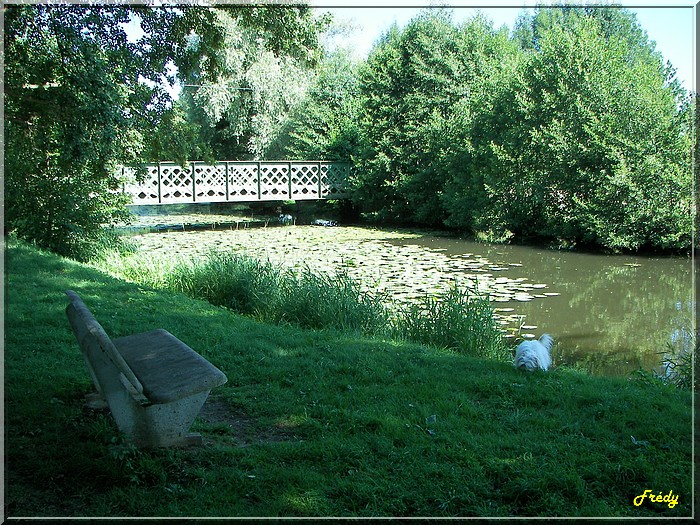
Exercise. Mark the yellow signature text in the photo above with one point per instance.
(670, 499)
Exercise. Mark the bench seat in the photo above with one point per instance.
(167, 368)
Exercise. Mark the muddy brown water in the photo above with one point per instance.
(613, 314)
(608, 314)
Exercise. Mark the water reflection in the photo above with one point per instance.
(614, 313)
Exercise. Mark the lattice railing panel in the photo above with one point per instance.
(305, 181)
(243, 181)
(333, 180)
(176, 184)
(210, 182)
(274, 181)
(144, 192)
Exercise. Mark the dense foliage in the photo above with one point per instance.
(595, 148)
(569, 130)
(78, 98)
(265, 70)
(421, 88)
(324, 124)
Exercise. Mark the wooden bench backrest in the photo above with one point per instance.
(90, 335)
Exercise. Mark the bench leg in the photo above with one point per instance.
(155, 425)
(96, 401)
(168, 425)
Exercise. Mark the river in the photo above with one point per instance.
(614, 313)
(608, 314)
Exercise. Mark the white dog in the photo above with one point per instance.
(534, 354)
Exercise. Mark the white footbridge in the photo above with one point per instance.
(237, 181)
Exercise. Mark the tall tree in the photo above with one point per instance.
(78, 98)
(597, 147)
(266, 70)
(420, 88)
(324, 125)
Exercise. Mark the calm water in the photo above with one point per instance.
(610, 315)
(614, 313)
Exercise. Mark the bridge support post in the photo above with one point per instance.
(320, 196)
(194, 183)
(160, 197)
(228, 195)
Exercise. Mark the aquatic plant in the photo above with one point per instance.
(460, 319)
(316, 300)
(678, 367)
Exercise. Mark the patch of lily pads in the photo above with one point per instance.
(378, 259)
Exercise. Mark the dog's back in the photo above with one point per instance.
(531, 355)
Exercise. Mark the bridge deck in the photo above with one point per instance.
(236, 181)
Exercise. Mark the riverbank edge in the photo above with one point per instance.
(338, 212)
(315, 430)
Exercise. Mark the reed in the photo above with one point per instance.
(243, 284)
(313, 300)
(679, 366)
(460, 319)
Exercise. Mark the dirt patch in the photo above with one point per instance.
(245, 431)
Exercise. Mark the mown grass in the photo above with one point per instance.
(460, 319)
(322, 422)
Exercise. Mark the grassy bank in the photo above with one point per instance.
(322, 422)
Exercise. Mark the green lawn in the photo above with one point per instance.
(322, 423)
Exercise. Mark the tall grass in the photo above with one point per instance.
(243, 284)
(679, 366)
(460, 319)
(136, 267)
(314, 300)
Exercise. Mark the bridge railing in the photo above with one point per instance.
(237, 181)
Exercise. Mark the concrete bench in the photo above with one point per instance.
(153, 383)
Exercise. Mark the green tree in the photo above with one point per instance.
(265, 71)
(491, 113)
(590, 143)
(406, 86)
(78, 97)
(323, 126)
(374, 184)
(178, 136)
(420, 88)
